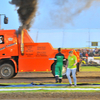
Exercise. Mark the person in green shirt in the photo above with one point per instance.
(71, 67)
(59, 64)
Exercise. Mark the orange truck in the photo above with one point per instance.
(19, 53)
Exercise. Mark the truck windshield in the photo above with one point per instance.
(1, 39)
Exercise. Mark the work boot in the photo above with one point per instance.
(75, 85)
(60, 80)
(56, 79)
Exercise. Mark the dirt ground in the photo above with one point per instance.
(47, 77)
(50, 96)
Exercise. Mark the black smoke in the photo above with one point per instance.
(26, 11)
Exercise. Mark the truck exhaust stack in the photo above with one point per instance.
(22, 42)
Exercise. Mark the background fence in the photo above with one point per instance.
(67, 38)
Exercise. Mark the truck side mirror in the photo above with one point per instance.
(5, 20)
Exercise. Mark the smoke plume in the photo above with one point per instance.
(87, 5)
(26, 11)
(67, 10)
(62, 13)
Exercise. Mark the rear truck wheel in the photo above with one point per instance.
(63, 71)
(6, 71)
(53, 69)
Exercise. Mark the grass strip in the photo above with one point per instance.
(90, 68)
(49, 91)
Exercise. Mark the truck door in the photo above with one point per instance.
(2, 45)
(11, 44)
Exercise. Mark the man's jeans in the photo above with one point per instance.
(73, 74)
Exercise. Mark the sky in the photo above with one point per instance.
(69, 38)
(65, 16)
(54, 15)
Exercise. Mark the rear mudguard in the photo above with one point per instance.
(15, 64)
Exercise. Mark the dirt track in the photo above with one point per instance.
(50, 96)
(47, 77)
(82, 77)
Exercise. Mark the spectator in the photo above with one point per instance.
(81, 53)
(91, 54)
(84, 52)
(96, 52)
(86, 55)
(94, 49)
(99, 52)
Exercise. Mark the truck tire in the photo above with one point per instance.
(53, 70)
(14, 74)
(63, 71)
(6, 71)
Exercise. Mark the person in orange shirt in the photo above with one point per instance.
(86, 55)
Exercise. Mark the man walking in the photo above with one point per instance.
(72, 61)
(59, 64)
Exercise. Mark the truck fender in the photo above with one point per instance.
(15, 64)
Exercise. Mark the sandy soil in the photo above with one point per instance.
(82, 77)
(47, 77)
(50, 96)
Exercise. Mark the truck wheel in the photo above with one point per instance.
(14, 74)
(63, 71)
(53, 70)
(6, 71)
